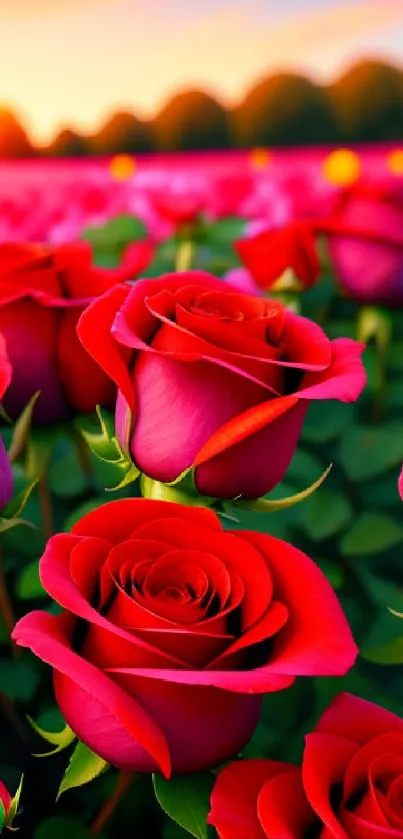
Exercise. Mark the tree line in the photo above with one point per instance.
(364, 105)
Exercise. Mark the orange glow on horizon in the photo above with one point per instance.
(75, 64)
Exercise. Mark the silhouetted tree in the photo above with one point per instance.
(14, 141)
(367, 102)
(123, 133)
(284, 109)
(192, 120)
(68, 144)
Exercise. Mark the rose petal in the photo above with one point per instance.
(94, 332)
(235, 797)
(118, 520)
(283, 809)
(107, 716)
(30, 332)
(187, 403)
(324, 764)
(84, 383)
(256, 464)
(317, 638)
(344, 379)
(357, 719)
(5, 367)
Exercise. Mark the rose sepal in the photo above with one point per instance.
(265, 505)
(104, 444)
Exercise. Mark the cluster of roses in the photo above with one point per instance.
(172, 628)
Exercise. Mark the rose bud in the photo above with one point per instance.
(213, 379)
(274, 255)
(173, 629)
(365, 242)
(43, 291)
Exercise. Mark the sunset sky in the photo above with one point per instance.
(73, 62)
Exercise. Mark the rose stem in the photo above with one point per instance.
(107, 810)
(6, 608)
(184, 255)
(83, 453)
(46, 507)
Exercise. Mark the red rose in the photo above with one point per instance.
(269, 254)
(256, 799)
(365, 241)
(43, 291)
(6, 475)
(173, 629)
(214, 379)
(5, 801)
(353, 770)
(5, 367)
(349, 787)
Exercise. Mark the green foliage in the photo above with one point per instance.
(186, 799)
(61, 828)
(371, 533)
(83, 767)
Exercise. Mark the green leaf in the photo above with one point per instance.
(186, 799)
(17, 680)
(84, 766)
(8, 524)
(62, 828)
(325, 514)
(371, 533)
(366, 452)
(60, 739)
(14, 509)
(39, 450)
(116, 234)
(14, 804)
(326, 421)
(66, 476)
(395, 356)
(390, 653)
(28, 585)
(22, 429)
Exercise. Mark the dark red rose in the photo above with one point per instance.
(173, 629)
(214, 379)
(268, 255)
(43, 291)
(365, 241)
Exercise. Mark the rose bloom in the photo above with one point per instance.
(272, 252)
(365, 242)
(43, 291)
(349, 786)
(6, 477)
(173, 629)
(214, 379)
